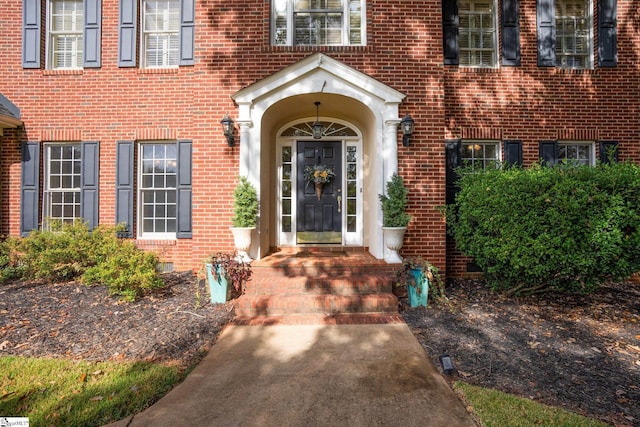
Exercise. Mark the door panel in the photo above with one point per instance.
(319, 219)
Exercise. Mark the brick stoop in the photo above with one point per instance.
(310, 286)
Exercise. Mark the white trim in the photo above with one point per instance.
(322, 76)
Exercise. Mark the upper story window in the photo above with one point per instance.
(477, 32)
(65, 35)
(161, 33)
(573, 33)
(318, 22)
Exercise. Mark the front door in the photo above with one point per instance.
(319, 210)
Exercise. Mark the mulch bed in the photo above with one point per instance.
(577, 352)
(176, 325)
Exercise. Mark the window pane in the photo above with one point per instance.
(161, 32)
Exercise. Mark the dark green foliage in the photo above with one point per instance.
(64, 252)
(126, 270)
(394, 203)
(245, 204)
(567, 228)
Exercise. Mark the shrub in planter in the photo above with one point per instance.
(245, 204)
(394, 203)
(226, 269)
(421, 279)
(566, 229)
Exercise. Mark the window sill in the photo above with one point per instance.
(49, 72)
(341, 48)
(158, 70)
(148, 243)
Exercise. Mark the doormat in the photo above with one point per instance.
(321, 254)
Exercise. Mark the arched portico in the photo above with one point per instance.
(346, 96)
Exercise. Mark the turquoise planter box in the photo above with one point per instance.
(217, 284)
(422, 282)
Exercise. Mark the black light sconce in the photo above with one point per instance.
(317, 129)
(407, 129)
(227, 129)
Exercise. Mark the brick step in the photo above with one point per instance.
(327, 304)
(324, 271)
(320, 319)
(359, 285)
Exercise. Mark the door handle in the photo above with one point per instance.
(339, 198)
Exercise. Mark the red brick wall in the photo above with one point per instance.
(531, 104)
(232, 50)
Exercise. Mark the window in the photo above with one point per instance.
(318, 22)
(158, 190)
(66, 27)
(161, 38)
(573, 33)
(480, 154)
(575, 152)
(62, 182)
(477, 33)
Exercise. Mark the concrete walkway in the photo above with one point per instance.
(311, 375)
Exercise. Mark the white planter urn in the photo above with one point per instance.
(393, 238)
(242, 241)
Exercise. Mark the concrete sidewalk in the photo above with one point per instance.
(312, 375)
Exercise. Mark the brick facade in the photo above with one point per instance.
(232, 51)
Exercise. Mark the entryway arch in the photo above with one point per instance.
(346, 96)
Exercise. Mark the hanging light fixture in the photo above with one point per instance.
(317, 128)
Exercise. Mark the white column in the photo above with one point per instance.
(245, 166)
(389, 167)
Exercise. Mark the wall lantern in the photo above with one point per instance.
(317, 129)
(407, 129)
(227, 129)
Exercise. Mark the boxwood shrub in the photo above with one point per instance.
(568, 228)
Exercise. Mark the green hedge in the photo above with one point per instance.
(62, 252)
(568, 228)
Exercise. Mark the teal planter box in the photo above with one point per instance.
(217, 284)
(418, 299)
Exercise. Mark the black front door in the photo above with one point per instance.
(319, 211)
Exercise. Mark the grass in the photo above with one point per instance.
(497, 409)
(57, 392)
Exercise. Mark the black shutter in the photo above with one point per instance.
(453, 155)
(30, 188)
(89, 180)
(450, 23)
(549, 153)
(124, 185)
(607, 33)
(127, 33)
(511, 32)
(546, 26)
(31, 21)
(184, 199)
(513, 153)
(92, 36)
(605, 148)
(187, 35)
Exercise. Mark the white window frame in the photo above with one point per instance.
(150, 235)
(561, 57)
(167, 52)
(475, 51)
(591, 157)
(76, 49)
(482, 144)
(287, 7)
(73, 191)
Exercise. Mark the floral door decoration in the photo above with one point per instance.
(319, 175)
